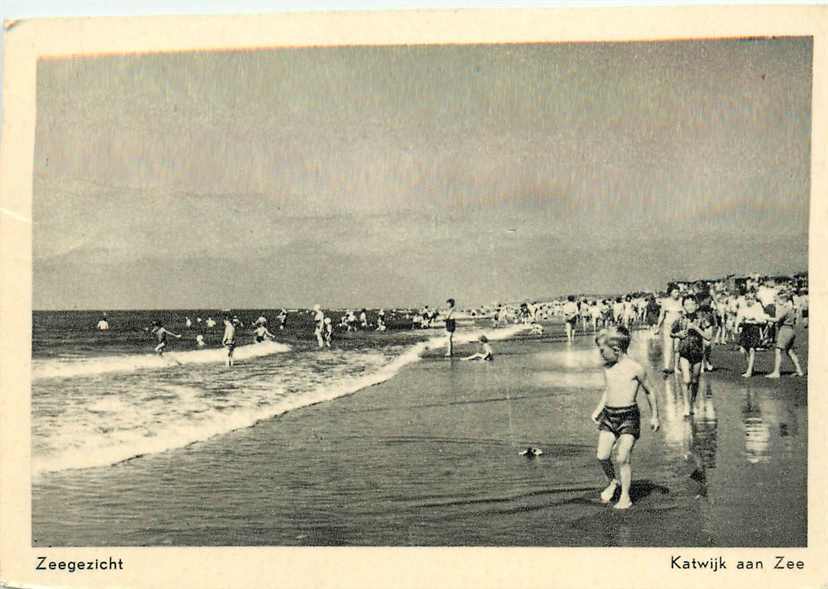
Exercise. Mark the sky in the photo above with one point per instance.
(390, 176)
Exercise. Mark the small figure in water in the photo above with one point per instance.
(188, 323)
(103, 324)
(200, 341)
(691, 330)
(485, 352)
(229, 339)
(261, 333)
(570, 313)
(451, 325)
(160, 332)
(617, 414)
(328, 332)
(282, 317)
(319, 325)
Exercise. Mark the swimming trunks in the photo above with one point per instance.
(260, 339)
(621, 420)
(450, 325)
(751, 336)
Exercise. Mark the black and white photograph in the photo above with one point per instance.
(479, 294)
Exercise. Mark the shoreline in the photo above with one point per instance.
(388, 466)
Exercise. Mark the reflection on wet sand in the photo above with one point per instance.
(789, 429)
(672, 421)
(757, 432)
(701, 438)
(705, 427)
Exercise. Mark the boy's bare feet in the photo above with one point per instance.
(773, 375)
(608, 493)
(623, 503)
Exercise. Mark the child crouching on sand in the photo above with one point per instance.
(617, 415)
(485, 352)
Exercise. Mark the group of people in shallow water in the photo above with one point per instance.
(229, 341)
(161, 333)
(689, 320)
(761, 317)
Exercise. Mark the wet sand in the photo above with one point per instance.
(431, 458)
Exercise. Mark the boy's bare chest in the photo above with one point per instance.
(622, 384)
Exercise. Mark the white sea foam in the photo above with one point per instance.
(43, 369)
(173, 416)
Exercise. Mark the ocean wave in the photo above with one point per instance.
(196, 420)
(44, 369)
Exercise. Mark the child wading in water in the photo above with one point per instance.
(692, 330)
(617, 414)
(160, 332)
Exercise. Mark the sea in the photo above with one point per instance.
(104, 397)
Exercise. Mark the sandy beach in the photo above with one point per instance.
(431, 458)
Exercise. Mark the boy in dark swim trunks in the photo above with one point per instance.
(617, 414)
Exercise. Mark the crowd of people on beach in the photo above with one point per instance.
(686, 321)
(690, 318)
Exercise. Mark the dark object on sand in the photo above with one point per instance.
(531, 452)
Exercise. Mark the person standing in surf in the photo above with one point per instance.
(103, 324)
(651, 311)
(451, 325)
(671, 310)
(692, 330)
(319, 326)
(160, 332)
(229, 339)
(749, 323)
(570, 313)
(785, 319)
(617, 414)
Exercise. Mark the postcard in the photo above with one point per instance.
(477, 298)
